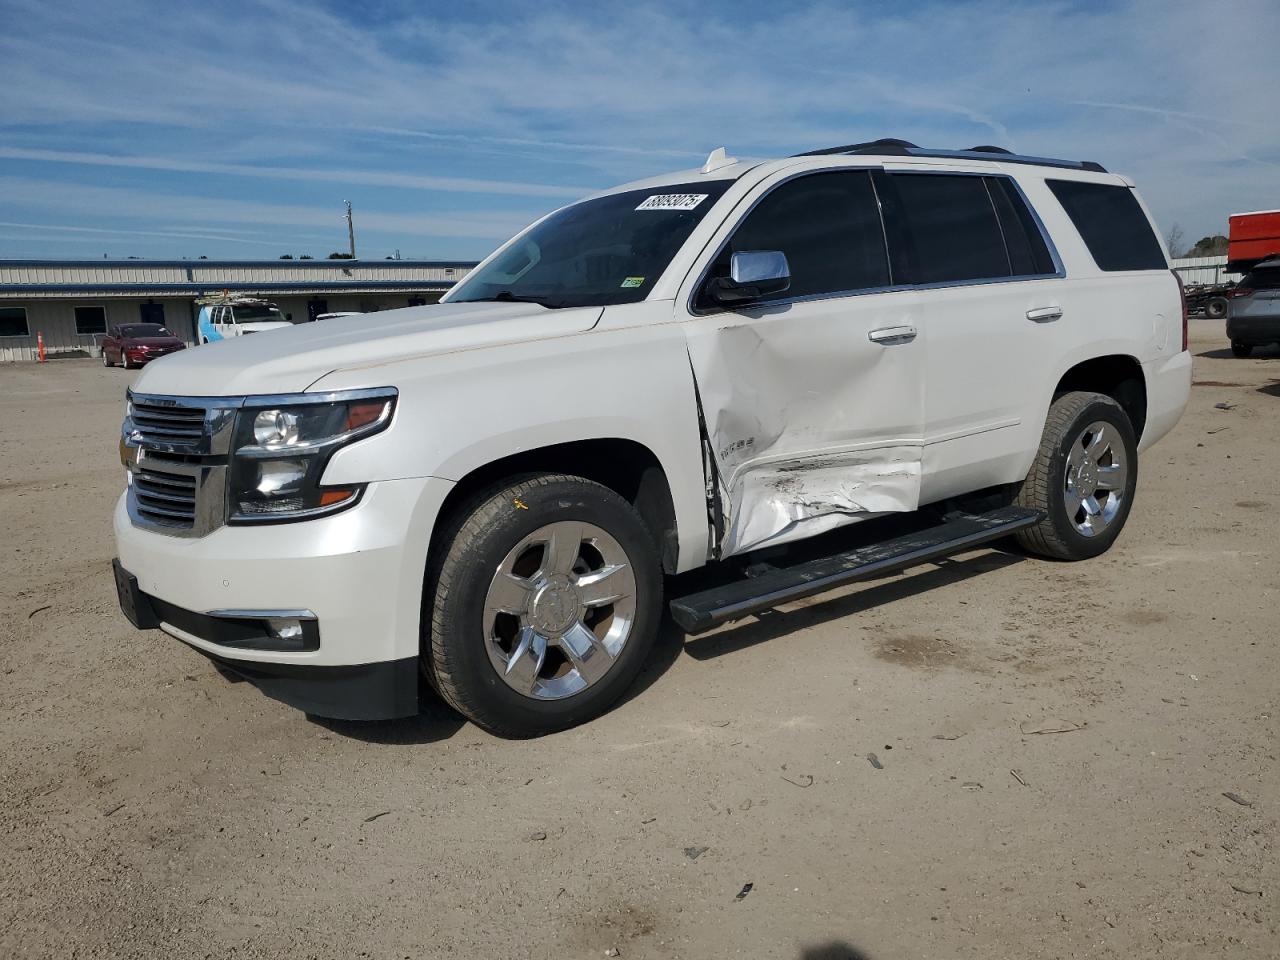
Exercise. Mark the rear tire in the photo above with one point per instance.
(1216, 308)
(541, 606)
(1241, 349)
(105, 361)
(1083, 478)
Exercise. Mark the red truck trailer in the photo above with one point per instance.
(1252, 237)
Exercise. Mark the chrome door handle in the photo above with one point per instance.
(1044, 314)
(888, 336)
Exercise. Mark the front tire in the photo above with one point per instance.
(1216, 308)
(1241, 349)
(106, 362)
(1083, 478)
(542, 606)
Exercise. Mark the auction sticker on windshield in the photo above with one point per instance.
(672, 201)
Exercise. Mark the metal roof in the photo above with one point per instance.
(78, 278)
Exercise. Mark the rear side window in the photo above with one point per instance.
(828, 225)
(953, 227)
(1028, 253)
(1112, 225)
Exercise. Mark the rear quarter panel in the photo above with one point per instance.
(1134, 313)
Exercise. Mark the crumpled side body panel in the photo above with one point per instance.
(772, 504)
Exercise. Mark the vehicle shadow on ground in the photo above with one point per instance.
(435, 721)
(1259, 353)
(773, 624)
(1271, 389)
(835, 950)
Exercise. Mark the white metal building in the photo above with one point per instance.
(71, 303)
(1210, 270)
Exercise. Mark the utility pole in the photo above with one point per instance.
(351, 230)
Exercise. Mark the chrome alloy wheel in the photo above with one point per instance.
(1097, 471)
(559, 610)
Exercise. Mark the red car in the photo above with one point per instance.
(133, 344)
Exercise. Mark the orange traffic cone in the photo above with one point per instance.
(40, 346)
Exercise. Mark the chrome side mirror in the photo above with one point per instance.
(752, 274)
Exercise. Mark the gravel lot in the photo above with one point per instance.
(880, 765)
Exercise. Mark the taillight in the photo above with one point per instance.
(1239, 292)
(1182, 295)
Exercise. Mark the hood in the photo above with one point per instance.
(290, 359)
(151, 341)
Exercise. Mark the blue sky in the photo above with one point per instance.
(237, 129)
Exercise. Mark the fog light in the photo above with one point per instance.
(285, 629)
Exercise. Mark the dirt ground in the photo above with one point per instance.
(990, 757)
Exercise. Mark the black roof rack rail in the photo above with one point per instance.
(891, 147)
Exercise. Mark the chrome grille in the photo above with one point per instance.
(168, 499)
(167, 424)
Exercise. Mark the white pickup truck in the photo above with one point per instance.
(487, 493)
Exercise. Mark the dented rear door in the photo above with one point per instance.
(813, 403)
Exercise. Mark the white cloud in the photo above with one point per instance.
(133, 203)
(367, 177)
(538, 100)
(96, 233)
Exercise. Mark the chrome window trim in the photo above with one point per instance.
(1058, 274)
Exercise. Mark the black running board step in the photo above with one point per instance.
(702, 611)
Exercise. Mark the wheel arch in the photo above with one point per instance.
(1118, 376)
(627, 467)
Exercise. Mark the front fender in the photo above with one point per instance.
(459, 412)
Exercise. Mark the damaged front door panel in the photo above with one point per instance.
(810, 424)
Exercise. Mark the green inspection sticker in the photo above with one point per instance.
(630, 282)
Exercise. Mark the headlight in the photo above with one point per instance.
(282, 445)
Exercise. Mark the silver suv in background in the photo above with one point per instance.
(1253, 312)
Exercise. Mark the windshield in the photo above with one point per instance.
(250, 313)
(596, 253)
(145, 330)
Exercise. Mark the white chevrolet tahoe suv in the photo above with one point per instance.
(487, 493)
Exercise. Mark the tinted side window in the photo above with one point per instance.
(953, 227)
(90, 319)
(828, 225)
(1112, 225)
(1268, 278)
(1028, 254)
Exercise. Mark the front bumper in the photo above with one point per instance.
(359, 573)
(370, 691)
